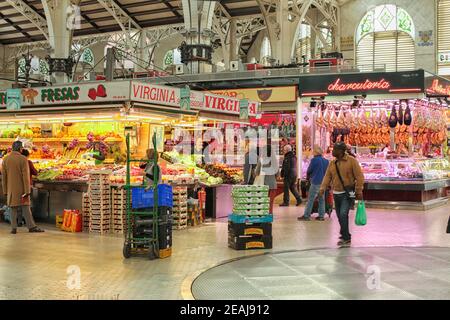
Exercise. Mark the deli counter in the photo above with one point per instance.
(409, 184)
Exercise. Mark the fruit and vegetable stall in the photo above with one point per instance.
(65, 133)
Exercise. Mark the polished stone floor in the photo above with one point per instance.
(44, 266)
(385, 273)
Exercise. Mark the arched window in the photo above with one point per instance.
(266, 50)
(173, 56)
(444, 37)
(303, 44)
(385, 39)
(88, 57)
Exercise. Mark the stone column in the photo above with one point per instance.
(98, 50)
(233, 41)
(142, 54)
(60, 32)
(198, 18)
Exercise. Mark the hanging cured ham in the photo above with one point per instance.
(326, 118)
(341, 119)
(319, 120)
(400, 114)
(408, 116)
(333, 119)
(349, 119)
(393, 119)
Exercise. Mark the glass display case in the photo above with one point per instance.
(399, 169)
(405, 170)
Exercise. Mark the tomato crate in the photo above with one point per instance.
(245, 189)
(250, 229)
(240, 207)
(250, 242)
(251, 200)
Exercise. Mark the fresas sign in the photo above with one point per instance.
(362, 83)
(73, 94)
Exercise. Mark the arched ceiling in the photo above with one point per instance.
(95, 19)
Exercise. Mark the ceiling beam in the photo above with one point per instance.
(121, 15)
(34, 17)
(172, 8)
(19, 29)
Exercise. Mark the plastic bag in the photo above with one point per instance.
(361, 215)
(72, 221)
(7, 213)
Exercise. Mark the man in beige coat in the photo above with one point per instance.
(17, 188)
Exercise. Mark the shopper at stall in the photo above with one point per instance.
(289, 175)
(267, 170)
(149, 169)
(249, 167)
(345, 176)
(315, 174)
(33, 172)
(16, 187)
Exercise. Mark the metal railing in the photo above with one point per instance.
(262, 74)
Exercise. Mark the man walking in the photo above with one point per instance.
(17, 188)
(345, 176)
(316, 171)
(289, 175)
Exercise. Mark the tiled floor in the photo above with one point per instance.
(35, 266)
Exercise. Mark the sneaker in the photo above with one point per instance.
(320, 219)
(36, 230)
(344, 243)
(303, 219)
(284, 205)
(13, 231)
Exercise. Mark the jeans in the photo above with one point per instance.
(343, 204)
(313, 193)
(289, 185)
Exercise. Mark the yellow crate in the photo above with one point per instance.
(59, 220)
(165, 253)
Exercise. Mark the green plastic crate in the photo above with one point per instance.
(253, 212)
(256, 194)
(250, 188)
(251, 200)
(251, 206)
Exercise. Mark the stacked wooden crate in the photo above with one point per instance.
(100, 200)
(119, 210)
(86, 211)
(180, 209)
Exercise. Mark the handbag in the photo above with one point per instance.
(349, 190)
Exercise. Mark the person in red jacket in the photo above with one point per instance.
(33, 171)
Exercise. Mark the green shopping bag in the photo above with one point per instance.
(361, 216)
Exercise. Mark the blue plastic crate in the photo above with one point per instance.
(250, 219)
(144, 199)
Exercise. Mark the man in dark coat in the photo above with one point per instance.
(289, 175)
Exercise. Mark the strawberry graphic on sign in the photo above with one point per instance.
(99, 92)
